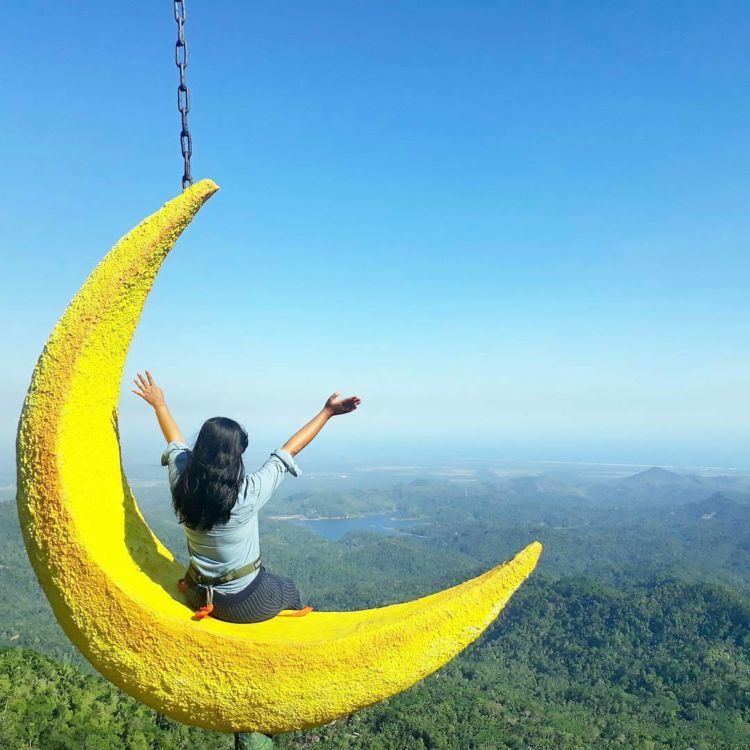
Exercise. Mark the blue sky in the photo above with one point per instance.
(517, 230)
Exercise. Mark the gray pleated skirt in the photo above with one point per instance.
(263, 598)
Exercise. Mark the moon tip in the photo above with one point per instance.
(205, 187)
(533, 550)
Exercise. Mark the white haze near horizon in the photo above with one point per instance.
(346, 452)
(430, 414)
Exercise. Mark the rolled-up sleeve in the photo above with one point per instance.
(268, 477)
(174, 457)
(288, 461)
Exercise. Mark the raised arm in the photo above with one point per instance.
(333, 406)
(153, 395)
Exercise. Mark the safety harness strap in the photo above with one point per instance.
(232, 575)
(209, 583)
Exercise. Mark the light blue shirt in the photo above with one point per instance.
(236, 543)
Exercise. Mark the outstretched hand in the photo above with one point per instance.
(148, 390)
(336, 405)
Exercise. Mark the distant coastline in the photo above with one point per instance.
(300, 517)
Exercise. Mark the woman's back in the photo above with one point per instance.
(231, 545)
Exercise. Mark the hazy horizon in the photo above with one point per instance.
(334, 455)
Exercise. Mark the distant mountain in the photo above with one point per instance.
(542, 487)
(653, 487)
(656, 475)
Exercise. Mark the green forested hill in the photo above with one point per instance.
(54, 706)
(575, 664)
(692, 527)
(569, 664)
(611, 644)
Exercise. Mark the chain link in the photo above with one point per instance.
(183, 94)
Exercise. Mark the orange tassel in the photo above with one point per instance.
(300, 612)
(204, 611)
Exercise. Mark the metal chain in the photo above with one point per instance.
(183, 95)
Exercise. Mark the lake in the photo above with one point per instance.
(336, 528)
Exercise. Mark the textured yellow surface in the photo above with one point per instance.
(112, 583)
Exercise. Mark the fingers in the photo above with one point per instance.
(343, 405)
(138, 393)
(353, 402)
(144, 383)
(144, 387)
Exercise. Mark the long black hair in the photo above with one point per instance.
(207, 489)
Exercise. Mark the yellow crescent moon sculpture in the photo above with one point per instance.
(112, 584)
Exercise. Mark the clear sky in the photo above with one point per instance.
(514, 229)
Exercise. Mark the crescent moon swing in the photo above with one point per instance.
(111, 582)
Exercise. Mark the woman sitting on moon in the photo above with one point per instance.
(218, 505)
